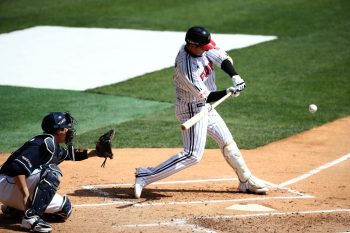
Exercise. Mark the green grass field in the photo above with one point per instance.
(309, 63)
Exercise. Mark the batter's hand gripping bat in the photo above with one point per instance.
(190, 122)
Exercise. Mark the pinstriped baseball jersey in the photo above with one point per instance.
(194, 78)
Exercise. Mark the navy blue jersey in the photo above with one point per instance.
(40, 150)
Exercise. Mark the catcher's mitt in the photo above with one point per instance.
(104, 146)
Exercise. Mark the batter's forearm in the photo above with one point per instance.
(216, 95)
(228, 68)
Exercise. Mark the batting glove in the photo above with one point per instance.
(238, 83)
(233, 90)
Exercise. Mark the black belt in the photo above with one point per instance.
(200, 105)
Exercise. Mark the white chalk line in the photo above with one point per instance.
(173, 223)
(196, 228)
(140, 204)
(96, 189)
(183, 222)
(281, 186)
(315, 171)
(276, 186)
(170, 182)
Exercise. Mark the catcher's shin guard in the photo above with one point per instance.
(44, 192)
(235, 159)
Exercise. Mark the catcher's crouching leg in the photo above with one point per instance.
(248, 182)
(45, 191)
(65, 210)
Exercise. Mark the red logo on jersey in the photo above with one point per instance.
(207, 70)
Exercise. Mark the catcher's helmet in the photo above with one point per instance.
(56, 120)
(200, 36)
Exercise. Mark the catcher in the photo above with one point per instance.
(30, 177)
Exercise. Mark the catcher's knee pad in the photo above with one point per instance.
(65, 209)
(50, 178)
(235, 159)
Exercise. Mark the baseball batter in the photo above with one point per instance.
(30, 177)
(194, 78)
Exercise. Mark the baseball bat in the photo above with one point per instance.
(193, 120)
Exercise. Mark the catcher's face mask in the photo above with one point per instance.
(71, 130)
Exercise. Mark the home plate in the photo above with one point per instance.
(249, 207)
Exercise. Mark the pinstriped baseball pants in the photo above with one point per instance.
(194, 140)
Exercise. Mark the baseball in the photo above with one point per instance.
(312, 108)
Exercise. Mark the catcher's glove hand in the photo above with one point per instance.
(104, 146)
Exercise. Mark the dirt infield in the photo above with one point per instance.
(308, 176)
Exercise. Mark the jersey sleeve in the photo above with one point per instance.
(217, 56)
(75, 154)
(14, 169)
(24, 164)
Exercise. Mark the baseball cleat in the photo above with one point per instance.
(139, 185)
(253, 185)
(11, 212)
(34, 223)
